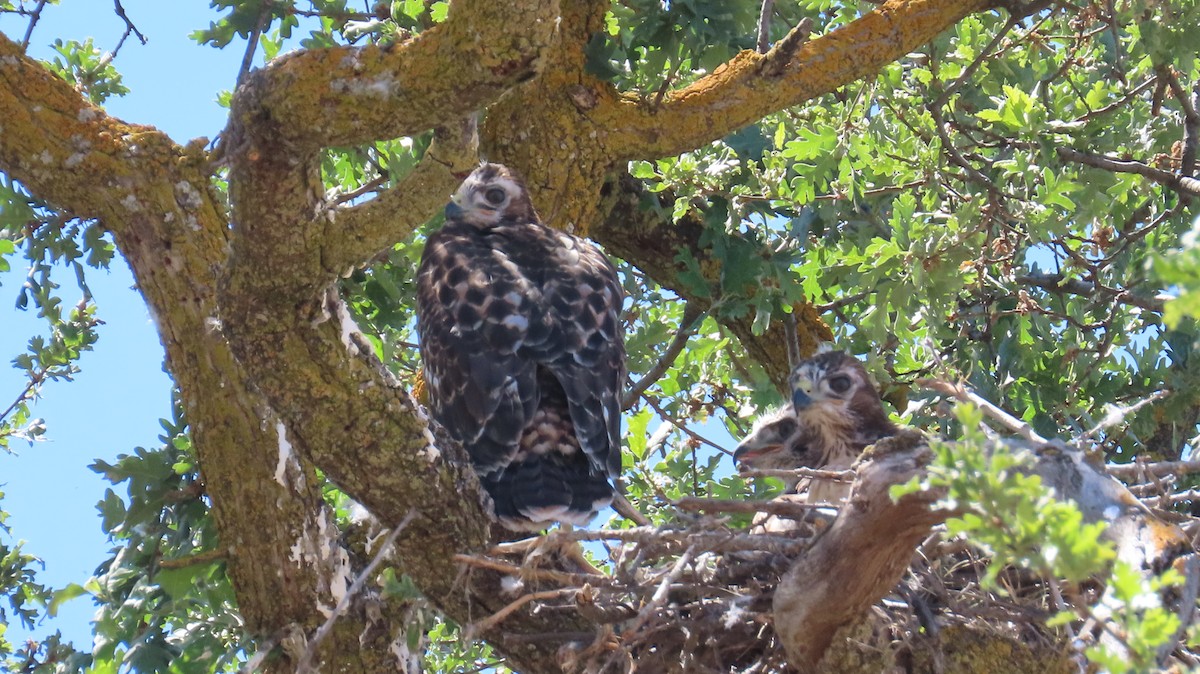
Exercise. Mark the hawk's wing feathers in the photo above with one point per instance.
(520, 337)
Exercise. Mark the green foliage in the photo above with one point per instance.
(1181, 268)
(1141, 623)
(1008, 512)
(449, 652)
(926, 210)
(1017, 521)
(166, 604)
(18, 585)
(653, 45)
(89, 69)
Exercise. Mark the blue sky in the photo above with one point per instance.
(116, 401)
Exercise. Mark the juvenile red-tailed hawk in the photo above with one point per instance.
(523, 354)
(834, 414)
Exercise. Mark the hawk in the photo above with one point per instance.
(520, 337)
(834, 414)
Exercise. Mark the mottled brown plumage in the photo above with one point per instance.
(834, 414)
(522, 350)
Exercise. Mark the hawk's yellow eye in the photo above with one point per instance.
(495, 196)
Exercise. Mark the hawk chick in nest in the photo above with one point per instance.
(834, 414)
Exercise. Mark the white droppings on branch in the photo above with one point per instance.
(187, 196)
(348, 327)
(381, 87)
(286, 456)
(345, 594)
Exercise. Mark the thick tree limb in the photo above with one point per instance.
(352, 95)
(860, 557)
(586, 127)
(62, 147)
(156, 199)
(357, 233)
(753, 85)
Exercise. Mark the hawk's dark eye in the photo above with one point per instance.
(839, 384)
(495, 196)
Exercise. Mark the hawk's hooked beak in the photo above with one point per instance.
(748, 452)
(800, 399)
(453, 210)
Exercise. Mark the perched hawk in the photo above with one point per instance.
(834, 414)
(523, 356)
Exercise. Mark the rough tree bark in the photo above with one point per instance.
(271, 374)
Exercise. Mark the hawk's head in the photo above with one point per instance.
(833, 395)
(491, 194)
(773, 442)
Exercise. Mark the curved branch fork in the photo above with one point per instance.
(284, 321)
(863, 554)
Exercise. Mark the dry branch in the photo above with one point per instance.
(860, 557)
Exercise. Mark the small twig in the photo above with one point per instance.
(773, 507)
(1116, 413)
(497, 617)
(305, 664)
(254, 664)
(715, 541)
(1058, 283)
(764, 25)
(563, 577)
(985, 54)
(660, 595)
(1168, 500)
(206, 557)
(1184, 184)
(1191, 135)
(543, 637)
(777, 59)
(692, 317)
(369, 186)
(1132, 470)
(1191, 120)
(34, 17)
(682, 427)
(831, 475)
(26, 394)
(129, 27)
(252, 44)
(1115, 105)
(843, 302)
(960, 392)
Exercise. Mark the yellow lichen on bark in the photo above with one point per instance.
(348, 95)
(743, 91)
(585, 126)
